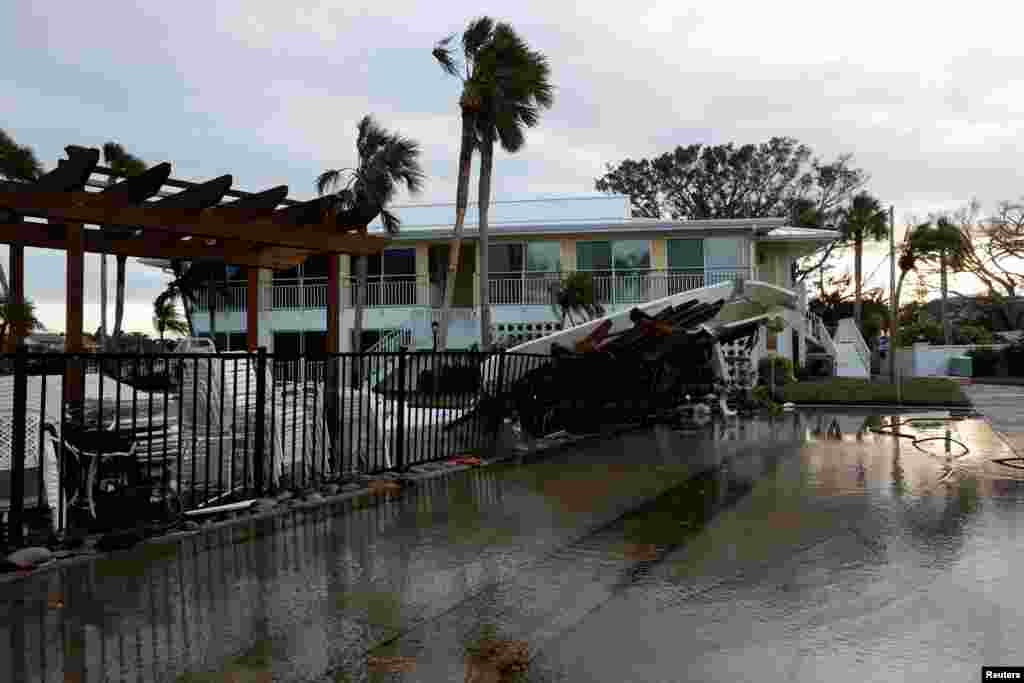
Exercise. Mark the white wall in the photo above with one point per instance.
(924, 360)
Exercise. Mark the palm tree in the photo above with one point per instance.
(122, 164)
(573, 296)
(945, 245)
(864, 219)
(17, 162)
(192, 278)
(476, 83)
(166, 317)
(18, 320)
(517, 87)
(386, 162)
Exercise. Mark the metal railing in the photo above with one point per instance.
(231, 299)
(149, 437)
(504, 289)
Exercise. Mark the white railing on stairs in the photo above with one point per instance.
(847, 334)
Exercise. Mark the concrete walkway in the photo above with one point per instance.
(1003, 405)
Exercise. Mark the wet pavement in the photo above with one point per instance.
(1003, 405)
(798, 548)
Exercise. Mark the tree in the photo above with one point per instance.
(167, 319)
(518, 87)
(946, 247)
(779, 178)
(192, 278)
(477, 80)
(17, 162)
(17, 321)
(863, 219)
(993, 251)
(574, 296)
(122, 164)
(386, 162)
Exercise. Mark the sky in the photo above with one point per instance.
(928, 97)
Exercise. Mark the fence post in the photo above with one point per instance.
(261, 399)
(400, 425)
(499, 393)
(15, 515)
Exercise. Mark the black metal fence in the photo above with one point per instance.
(107, 440)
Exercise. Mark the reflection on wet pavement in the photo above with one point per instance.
(802, 547)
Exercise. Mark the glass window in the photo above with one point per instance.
(373, 266)
(290, 274)
(722, 252)
(315, 266)
(399, 262)
(593, 255)
(504, 259)
(237, 341)
(543, 257)
(686, 254)
(631, 255)
(315, 343)
(237, 274)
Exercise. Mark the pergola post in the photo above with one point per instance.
(333, 348)
(252, 309)
(16, 286)
(74, 296)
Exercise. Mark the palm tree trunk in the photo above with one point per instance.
(461, 200)
(122, 265)
(858, 264)
(895, 324)
(483, 268)
(947, 328)
(188, 316)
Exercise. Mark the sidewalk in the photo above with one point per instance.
(1003, 405)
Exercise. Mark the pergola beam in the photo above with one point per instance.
(219, 222)
(148, 245)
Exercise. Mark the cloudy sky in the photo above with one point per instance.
(928, 97)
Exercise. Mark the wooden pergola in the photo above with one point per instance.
(138, 217)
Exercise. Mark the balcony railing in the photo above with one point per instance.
(609, 288)
(505, 290)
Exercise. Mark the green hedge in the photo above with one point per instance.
(918, 390)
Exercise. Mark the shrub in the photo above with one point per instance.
(783, 370)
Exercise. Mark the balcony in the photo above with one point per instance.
(505, 290)
(609, 289)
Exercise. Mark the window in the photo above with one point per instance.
(721, 259)
(685, 260)
(391, 278)
(511, 267)
(620, 269)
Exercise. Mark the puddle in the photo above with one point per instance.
(744, 535)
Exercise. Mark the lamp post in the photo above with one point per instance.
(434, 325)
(435, 369)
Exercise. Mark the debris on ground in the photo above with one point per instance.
(390, 664)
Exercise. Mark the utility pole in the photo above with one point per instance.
(892, 296)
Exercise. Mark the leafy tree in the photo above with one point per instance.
(863, 219)
(122, 164)
(993, 249)
(17, 162)
(574, 296)
(516, 89)
(386, 162)
(167, 319)
(17, 321)
(779, 178)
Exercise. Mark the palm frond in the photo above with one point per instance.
(443, 54)
(476, 35)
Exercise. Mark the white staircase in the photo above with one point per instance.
(853, 357)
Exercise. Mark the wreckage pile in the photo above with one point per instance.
(613, 378)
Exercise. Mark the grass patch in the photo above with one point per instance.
(916, 390)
